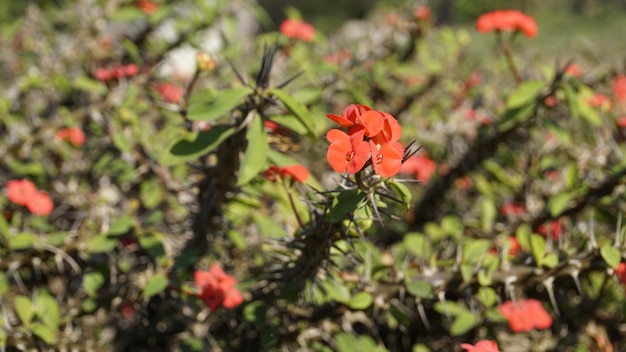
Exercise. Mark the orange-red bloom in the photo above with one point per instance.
(298, 172)
(420, 165)
(525, 315)
(102, 74)
(512, 209)
(573, 70)
(619, 88)
(147, 6)
(347, 153)
(421, 13)
(554, 228)
(600, 101)
(481, 346)
(170, 92)
(507, 20)
(387, 158)
(620, 272)
(73, 135)
(40, 204)
(297, 29)
(217, 288)
(20, 191)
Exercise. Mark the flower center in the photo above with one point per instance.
(379, 159)
(349, 156)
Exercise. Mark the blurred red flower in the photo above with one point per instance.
(481, 346)
(620, 272)
(147, 6)
(73, 135)
(554, 228)
(420, 165)
(621, 121)
(170, 92)
(507, 20)
(512, 209)
(20, 191)
(298, 172)
(619, 88)
(600, 101)
(573, 70)
(103, 74)
(421, 13)
(525, 315)
(297, 29)
(336, 58)
(40, 203)
(131, 70)
(217, 288)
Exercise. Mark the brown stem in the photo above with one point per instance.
(509, 57)
(293, 204)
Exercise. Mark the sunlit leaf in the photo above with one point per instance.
(611, 255)
(224, 102)
(155, 285)
(255, 157)
(24, 309)
(300, 111)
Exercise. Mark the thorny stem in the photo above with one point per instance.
(293, 204)
(509, 57)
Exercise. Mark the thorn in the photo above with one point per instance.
(548, 283)
(422, 313)
(574, 274)
(592, 233)
(508, 287)
(441, 295)
(289, 80)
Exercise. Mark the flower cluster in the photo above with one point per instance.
(372, 135)
(525, 315)
(419, 165)
(170, 92)
(297, 29)
(507, 20)
(24, 192)
(74, 135)
(217, 288)
(118, 72)
(297, 172)
(481, 346)
(148, 7)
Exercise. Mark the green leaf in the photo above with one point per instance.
(300, 111)
(132, 50)
(402, 191)
(153, 244)
(121, 226)
(487, 296)
(24, 309)
(255, 157)
(538, 248)
(121, 141)
(197, 144)
(151, 193)
(44, 333)
(101, 244)
(488, 214)
(611, 255)
(345, 203)
(47, 310)
(361, 300)
(4, 227)
(419, 288)
(89, 85)
(237, 238)
(224, 102)
(452, 225)
(523, 236)
(526, 92)
(467, 272)
(514, 116)
(558, 203)
(474, 249)
(417, 244)
(155, 285)
(589, 113)
(463, 323)
(92, 282)
(551, 260)
(4, 284)
(345, 342)
(254, 312)
(23, 241)
(420, 348)
(337, 291)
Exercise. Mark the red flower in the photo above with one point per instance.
(600, 101)
(217, 288)
(148, 7)
(573, 70)
(74, 135)
(298, 172)
(481, 346)
(620, 272)
(297, 29)
(336, 58)
(40, 203)
(507, 20)
(131, 70)
(554, 228)
(619, 88)
(103, 74)
(421, 13)
(512, 209)
(525, 315)
(347, 153)
(387, 158)
(20, 191)
(350, 115)
(170, 92)
(391, 130)
(621, 121)
(420, 165)
(550, 101)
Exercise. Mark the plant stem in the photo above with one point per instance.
(509, 57)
